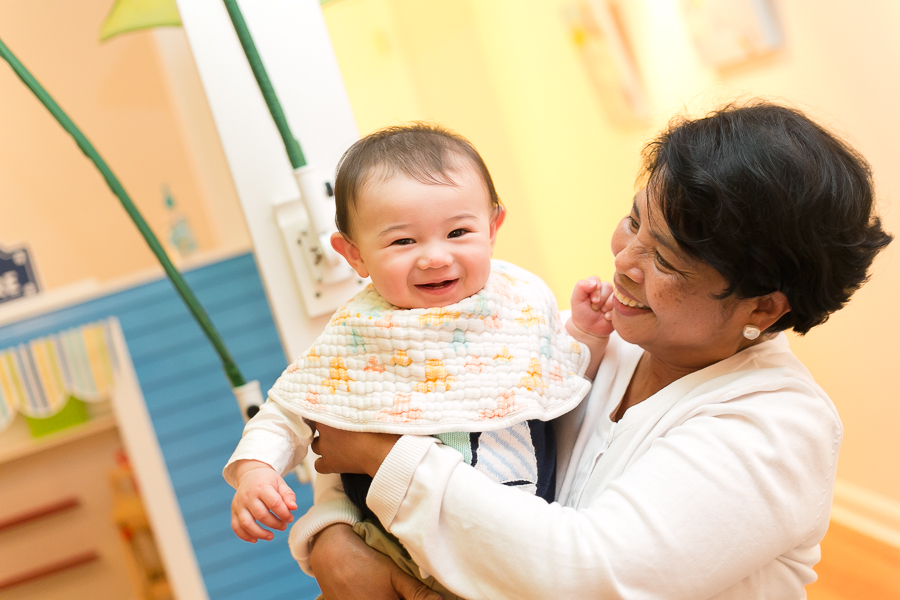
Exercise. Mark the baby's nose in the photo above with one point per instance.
(434, 257)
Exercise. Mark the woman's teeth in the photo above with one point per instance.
(628, 301)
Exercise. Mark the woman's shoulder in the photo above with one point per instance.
(767, 378)
(769, 365)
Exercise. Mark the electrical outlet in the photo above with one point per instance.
(323, 284)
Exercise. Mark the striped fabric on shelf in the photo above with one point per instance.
(37, 377)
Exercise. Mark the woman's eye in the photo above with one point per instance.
(663, 263)
(457, 233)
(633, 224)
(403, 242)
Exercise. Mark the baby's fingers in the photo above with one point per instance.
(608, 303)
(281, 501)
(601, 296)
(290, 499)
(272, 503)
(597, 295)
(583, 289)
(246, 527)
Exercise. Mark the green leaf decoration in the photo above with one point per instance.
(134, 15)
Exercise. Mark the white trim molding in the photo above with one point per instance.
(867, 512)
(145, 456)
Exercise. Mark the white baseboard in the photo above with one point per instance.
(867, 512)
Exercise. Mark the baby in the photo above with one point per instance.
(443, 342)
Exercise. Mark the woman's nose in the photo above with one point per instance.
(626, 262)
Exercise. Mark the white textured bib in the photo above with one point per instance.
(494, 359)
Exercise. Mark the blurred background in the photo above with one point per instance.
(559, 96)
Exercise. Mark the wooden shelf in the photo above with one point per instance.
(40, 512)
(45, 570)
(16, 441)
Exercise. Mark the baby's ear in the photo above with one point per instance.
(346, 248)
(496, 222)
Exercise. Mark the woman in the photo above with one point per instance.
(702, 464)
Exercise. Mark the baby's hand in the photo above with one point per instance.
(591, 306)
(263, 496)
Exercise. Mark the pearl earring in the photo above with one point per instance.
(751, 332)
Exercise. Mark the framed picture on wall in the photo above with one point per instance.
(597, 32)
(18, 277)
(728, 33)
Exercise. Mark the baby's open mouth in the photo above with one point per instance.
(438, 284)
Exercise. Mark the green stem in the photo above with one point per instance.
(294, 152)
(228, 364)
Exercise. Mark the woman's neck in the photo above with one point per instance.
(650, 376)
(645, 381)
(653, 374)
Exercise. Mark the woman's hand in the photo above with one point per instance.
(349, 451)
(347, 569)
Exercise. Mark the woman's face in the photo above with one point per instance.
(664, 300)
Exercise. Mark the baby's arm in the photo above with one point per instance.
(274, 441)
(262, 496)
(591, 322)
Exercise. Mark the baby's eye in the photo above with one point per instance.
(403, 242)
(457, 233)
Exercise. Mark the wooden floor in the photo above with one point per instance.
(856, 567)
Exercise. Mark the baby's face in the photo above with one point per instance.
(424, 246)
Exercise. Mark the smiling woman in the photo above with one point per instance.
(670, 303)
(685, 319)
(702, 464)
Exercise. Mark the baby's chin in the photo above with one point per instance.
(438, 301)
(437, 304)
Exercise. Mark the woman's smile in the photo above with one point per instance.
(628, 302)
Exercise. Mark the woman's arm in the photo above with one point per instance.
(349, 570)
(741, 488)
(330, 506)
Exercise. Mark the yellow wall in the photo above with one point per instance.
(506, 74)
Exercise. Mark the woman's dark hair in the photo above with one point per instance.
(425, 152)
(773, 202)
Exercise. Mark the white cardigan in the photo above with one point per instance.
(718, 486)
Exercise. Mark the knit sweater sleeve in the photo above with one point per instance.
(729, 503)
(331, 506)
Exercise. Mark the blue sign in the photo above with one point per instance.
(17, 278)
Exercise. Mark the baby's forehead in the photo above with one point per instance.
(374, 183)
(383, 175)
(387, 169)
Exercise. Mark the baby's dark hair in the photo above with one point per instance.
(773, 202)
(425, 152)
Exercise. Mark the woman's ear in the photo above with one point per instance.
(496, 222)
(346, 248)
(769, 309)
